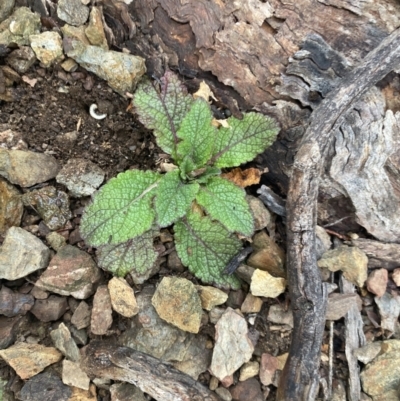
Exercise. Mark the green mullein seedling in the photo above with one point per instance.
(207, 211)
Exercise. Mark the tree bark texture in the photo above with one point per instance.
(300, 378)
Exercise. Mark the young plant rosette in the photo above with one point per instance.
(206, 210)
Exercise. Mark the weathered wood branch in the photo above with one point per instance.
(300, 378)
(151, 375)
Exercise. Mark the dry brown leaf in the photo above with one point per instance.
(244, 178)
(204, 92)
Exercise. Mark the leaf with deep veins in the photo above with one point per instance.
(196, 133)
(136, 254)
(226, 202)
(163, 111)
(173, 198)
(122, 209)
(243, 140)
(206, 247)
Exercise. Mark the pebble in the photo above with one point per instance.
(26, 168)
(247, 390)
(47, 47)
(6, 7)
(265, 285)
(82, 315)
(268, 366)
(224, 394)
(73, 12)
(249, 370)
(95, 31)
(8, 330)
(396, 277)
(339, 304)
(245, 273)
(262, 216)
(215, 314)
(21, 59)
(350, 260)
(70, 272)
(29, 359)
(233, 347)
(368, 352)
(56, 240)
(83, 395)
(13, 303)
(123, 299)
(177, 301)
(81, 177)
(10, 139)
(126, 392)
(377, 282)
(11, 207)
(278, 314)
(50, 309)
(389, 310)
(323, 241)
(63, 341)
(22, 254)
(211, 297)
(267, 255)
(101, 319)
(73, 375)
(251, 304)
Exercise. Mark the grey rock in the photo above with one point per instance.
(368, 352)
(80, 336)
(13, 303)
(27, 168)
(101, 319)
(8, 330)
(81, 317)
(73, 12)
(45, 387)
(11, 207)
(126, 392)
(262, 216)
(322, 241)
(65, 343)
(389, 309)
(6, 7)
(47, 47)
(278, 314)
(121, 71)
(232, 345)
(21, 59)
(73, 375)
(51, 204)
(215, 314)
(50, 309)
(70, 272)
(21, 254)
(81, 177)
(339, 305)
(19, 26)
(224, 394)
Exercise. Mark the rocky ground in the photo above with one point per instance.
(54, 299)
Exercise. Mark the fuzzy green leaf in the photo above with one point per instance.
(243, 140)
(225, 202)
(136, 254)
(206, 247)
(122, 209)
(174, 198)
(197, 134)
(163, 111)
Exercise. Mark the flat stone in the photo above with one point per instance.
(350, 260)
(81, 177)
(265, 285)
(126, 392)
(21, 59)
(247, 390)
(51, 204)
(13, 303)
(249, 370)
(339, 304)
(65, 343)
(101, 319)
(11, 207)
(80, 336)
(47, 47)
(268, 366)
(377, 282)
(123, 299)
(121, 71)
(73, 375)
(29, 359)
(73, 12)
(27, 168)
(45, 387)
(211, 297)
(368, 352)
(233, 346)
(8, 330)
(224, 394)
(19, 26)
(6, 7)
(262, 216)
(177, 301)
(267, 255)
(381, 377)
(279, 315)
(81, 317)
(50, 309)
(95, 30)
(22, 254)
(251, 304)
(70, 272)
(389, 310)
